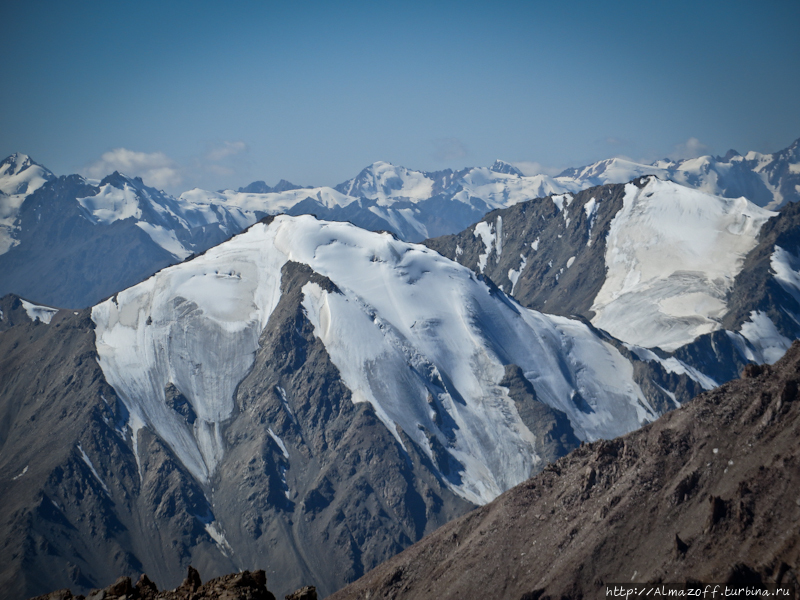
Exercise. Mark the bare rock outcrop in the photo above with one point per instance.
(237, 586)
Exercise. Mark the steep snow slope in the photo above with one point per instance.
(412, 333)
(19, 177)
(195, 326)
(672, 254)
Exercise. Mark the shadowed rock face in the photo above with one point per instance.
(709, 493)
(540, 284)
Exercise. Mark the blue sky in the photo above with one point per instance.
(219, 94)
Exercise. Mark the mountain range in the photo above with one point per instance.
(239, 390)
(56, 226)
(307, 391)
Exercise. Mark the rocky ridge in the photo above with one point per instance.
(237, 586)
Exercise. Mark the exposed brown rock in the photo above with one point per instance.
(237, 586)
(192, 581)
(306, 593)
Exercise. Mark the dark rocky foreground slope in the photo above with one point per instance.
(710, 492)
(237, 586)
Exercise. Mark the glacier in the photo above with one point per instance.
(410, 332)
(672, 254)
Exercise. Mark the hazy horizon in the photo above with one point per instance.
(200, 95)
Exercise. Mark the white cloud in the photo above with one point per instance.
(225, 149)
(691, 148)
(531, 168)
(155, 168)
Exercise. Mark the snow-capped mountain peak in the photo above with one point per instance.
(501, 166)
(15, 163)
(20, 176)
(768, 180)
(386, 183)
(412, 333)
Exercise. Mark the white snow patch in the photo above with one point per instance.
(484, 231)
(570, 261)
(279, 441)
(20, 474)
(671, 395)
(499, 238)
(165, 238)
(562, 199)
(89, 464)
(766, 340)
(513, 275)
(42, 313)
(285, 401)
(591, 215)
(135, 424)
(672, 255)
(535, 244)
(787, 271)
(219, 538)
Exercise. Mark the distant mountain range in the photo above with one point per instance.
(51, 228)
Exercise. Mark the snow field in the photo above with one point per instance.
(672, 254)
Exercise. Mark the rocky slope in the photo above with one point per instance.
(707, 493)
